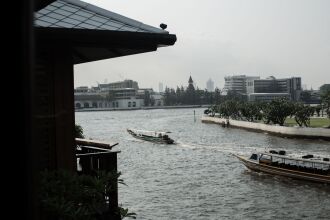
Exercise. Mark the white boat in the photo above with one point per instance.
(153, 136)
(277, 163)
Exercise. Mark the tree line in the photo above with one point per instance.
(273, 112)
(192, 96)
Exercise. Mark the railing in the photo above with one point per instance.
(93, 156)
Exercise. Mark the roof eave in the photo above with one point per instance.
(91, 45)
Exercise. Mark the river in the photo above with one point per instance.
(198, 178)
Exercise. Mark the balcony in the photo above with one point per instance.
(93, 156)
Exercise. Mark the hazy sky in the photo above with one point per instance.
(216, 38)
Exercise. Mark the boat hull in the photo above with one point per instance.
(152, 139)
(284, 172)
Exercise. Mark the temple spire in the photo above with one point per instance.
(190, 80)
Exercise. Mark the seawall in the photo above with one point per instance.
(140, 108)
(294, 132)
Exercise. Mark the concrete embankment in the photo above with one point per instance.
(140, 108)
(295, 132)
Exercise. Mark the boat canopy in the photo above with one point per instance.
(151, 133)
(297, 159)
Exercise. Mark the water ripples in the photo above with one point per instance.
(198, 177)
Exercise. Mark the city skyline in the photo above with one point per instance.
(162, 87)
(220, 38)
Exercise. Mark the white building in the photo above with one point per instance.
(119, 95)
(238, 83)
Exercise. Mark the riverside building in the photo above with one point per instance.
(257, 89)
(118, 95)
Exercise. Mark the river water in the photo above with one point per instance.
(198, 178)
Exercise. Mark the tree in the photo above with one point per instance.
(229, 108)
(277, 111)
(325, 102)
(250, 111)
(79, 132)
(217, 96)
(167, 96)
(302, 114)
(318, 109)
(325, 88)
(178, 95)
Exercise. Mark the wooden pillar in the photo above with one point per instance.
(64, 109)
(54, 107)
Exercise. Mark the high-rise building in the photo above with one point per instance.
(160, 87)
(291, 86)
(210, 85)
(271, 85)
(265, 89)
(238, 83)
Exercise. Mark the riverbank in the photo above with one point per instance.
(142, 108)
(293, 132)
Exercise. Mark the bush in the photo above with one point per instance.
(79, 132)
(66, 195)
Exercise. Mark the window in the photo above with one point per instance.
(254, 157)
(129, 104)
(134, 104)
(265, 159)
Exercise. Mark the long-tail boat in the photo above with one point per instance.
(306, 167)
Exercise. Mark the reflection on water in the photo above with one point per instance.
(198, 178)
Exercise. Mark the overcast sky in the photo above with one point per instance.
(216, 38)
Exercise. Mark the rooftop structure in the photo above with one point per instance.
(119, 85)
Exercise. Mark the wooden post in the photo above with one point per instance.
(54, 108)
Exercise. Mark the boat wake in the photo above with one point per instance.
(231, 148)
(235, 148)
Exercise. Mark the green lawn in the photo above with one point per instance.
(315, 122)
